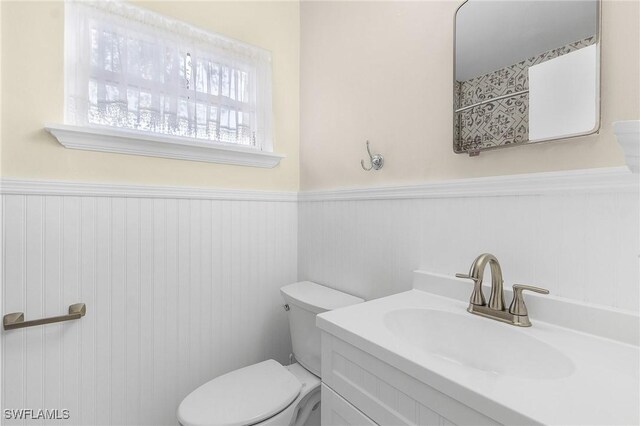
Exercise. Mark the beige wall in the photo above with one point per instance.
(32, 94)
(370, 70)
(383, 71)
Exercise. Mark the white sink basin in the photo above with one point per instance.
(551, 373)
(479, 343)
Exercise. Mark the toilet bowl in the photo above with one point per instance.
(268, 393)
(262, 394)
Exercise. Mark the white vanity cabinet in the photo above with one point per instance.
(419, 358)
(360, 389)
(336, 411)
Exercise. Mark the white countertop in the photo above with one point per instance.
(603, 388)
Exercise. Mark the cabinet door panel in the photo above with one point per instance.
(336, 411)
(387, 395)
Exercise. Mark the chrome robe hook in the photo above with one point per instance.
(377, 161)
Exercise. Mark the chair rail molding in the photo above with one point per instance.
(155, 145)
(599, 180)
(18, 186)
(548, 183)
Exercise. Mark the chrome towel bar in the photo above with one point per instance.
(16, 319)
(497, 98)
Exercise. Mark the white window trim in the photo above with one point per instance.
(128, 141)
(155, 145)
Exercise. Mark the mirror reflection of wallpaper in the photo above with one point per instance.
(504, 121)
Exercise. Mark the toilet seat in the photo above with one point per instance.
(242, 397)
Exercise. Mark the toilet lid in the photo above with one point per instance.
(241, 397)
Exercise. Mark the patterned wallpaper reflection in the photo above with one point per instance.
(504, 121)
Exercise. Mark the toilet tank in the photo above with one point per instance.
(305, 300)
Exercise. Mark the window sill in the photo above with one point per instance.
(138, 143)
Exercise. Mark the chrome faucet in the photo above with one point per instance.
(517, 313)
(496, 299)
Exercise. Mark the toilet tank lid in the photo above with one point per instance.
(316, 298)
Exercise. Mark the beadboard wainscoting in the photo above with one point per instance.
(180, 286)
(575, 233)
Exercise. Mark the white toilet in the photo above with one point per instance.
(269, 393)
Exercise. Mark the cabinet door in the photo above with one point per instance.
(387, 395)
(336, 411)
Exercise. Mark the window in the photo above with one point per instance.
(130, 69)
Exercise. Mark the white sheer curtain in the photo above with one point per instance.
(131, 68)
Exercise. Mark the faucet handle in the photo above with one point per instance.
(517, 305)
(477, 298)
(465, 276)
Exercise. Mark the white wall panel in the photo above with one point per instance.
(183, 286)
(582, 246)
(178, 291)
